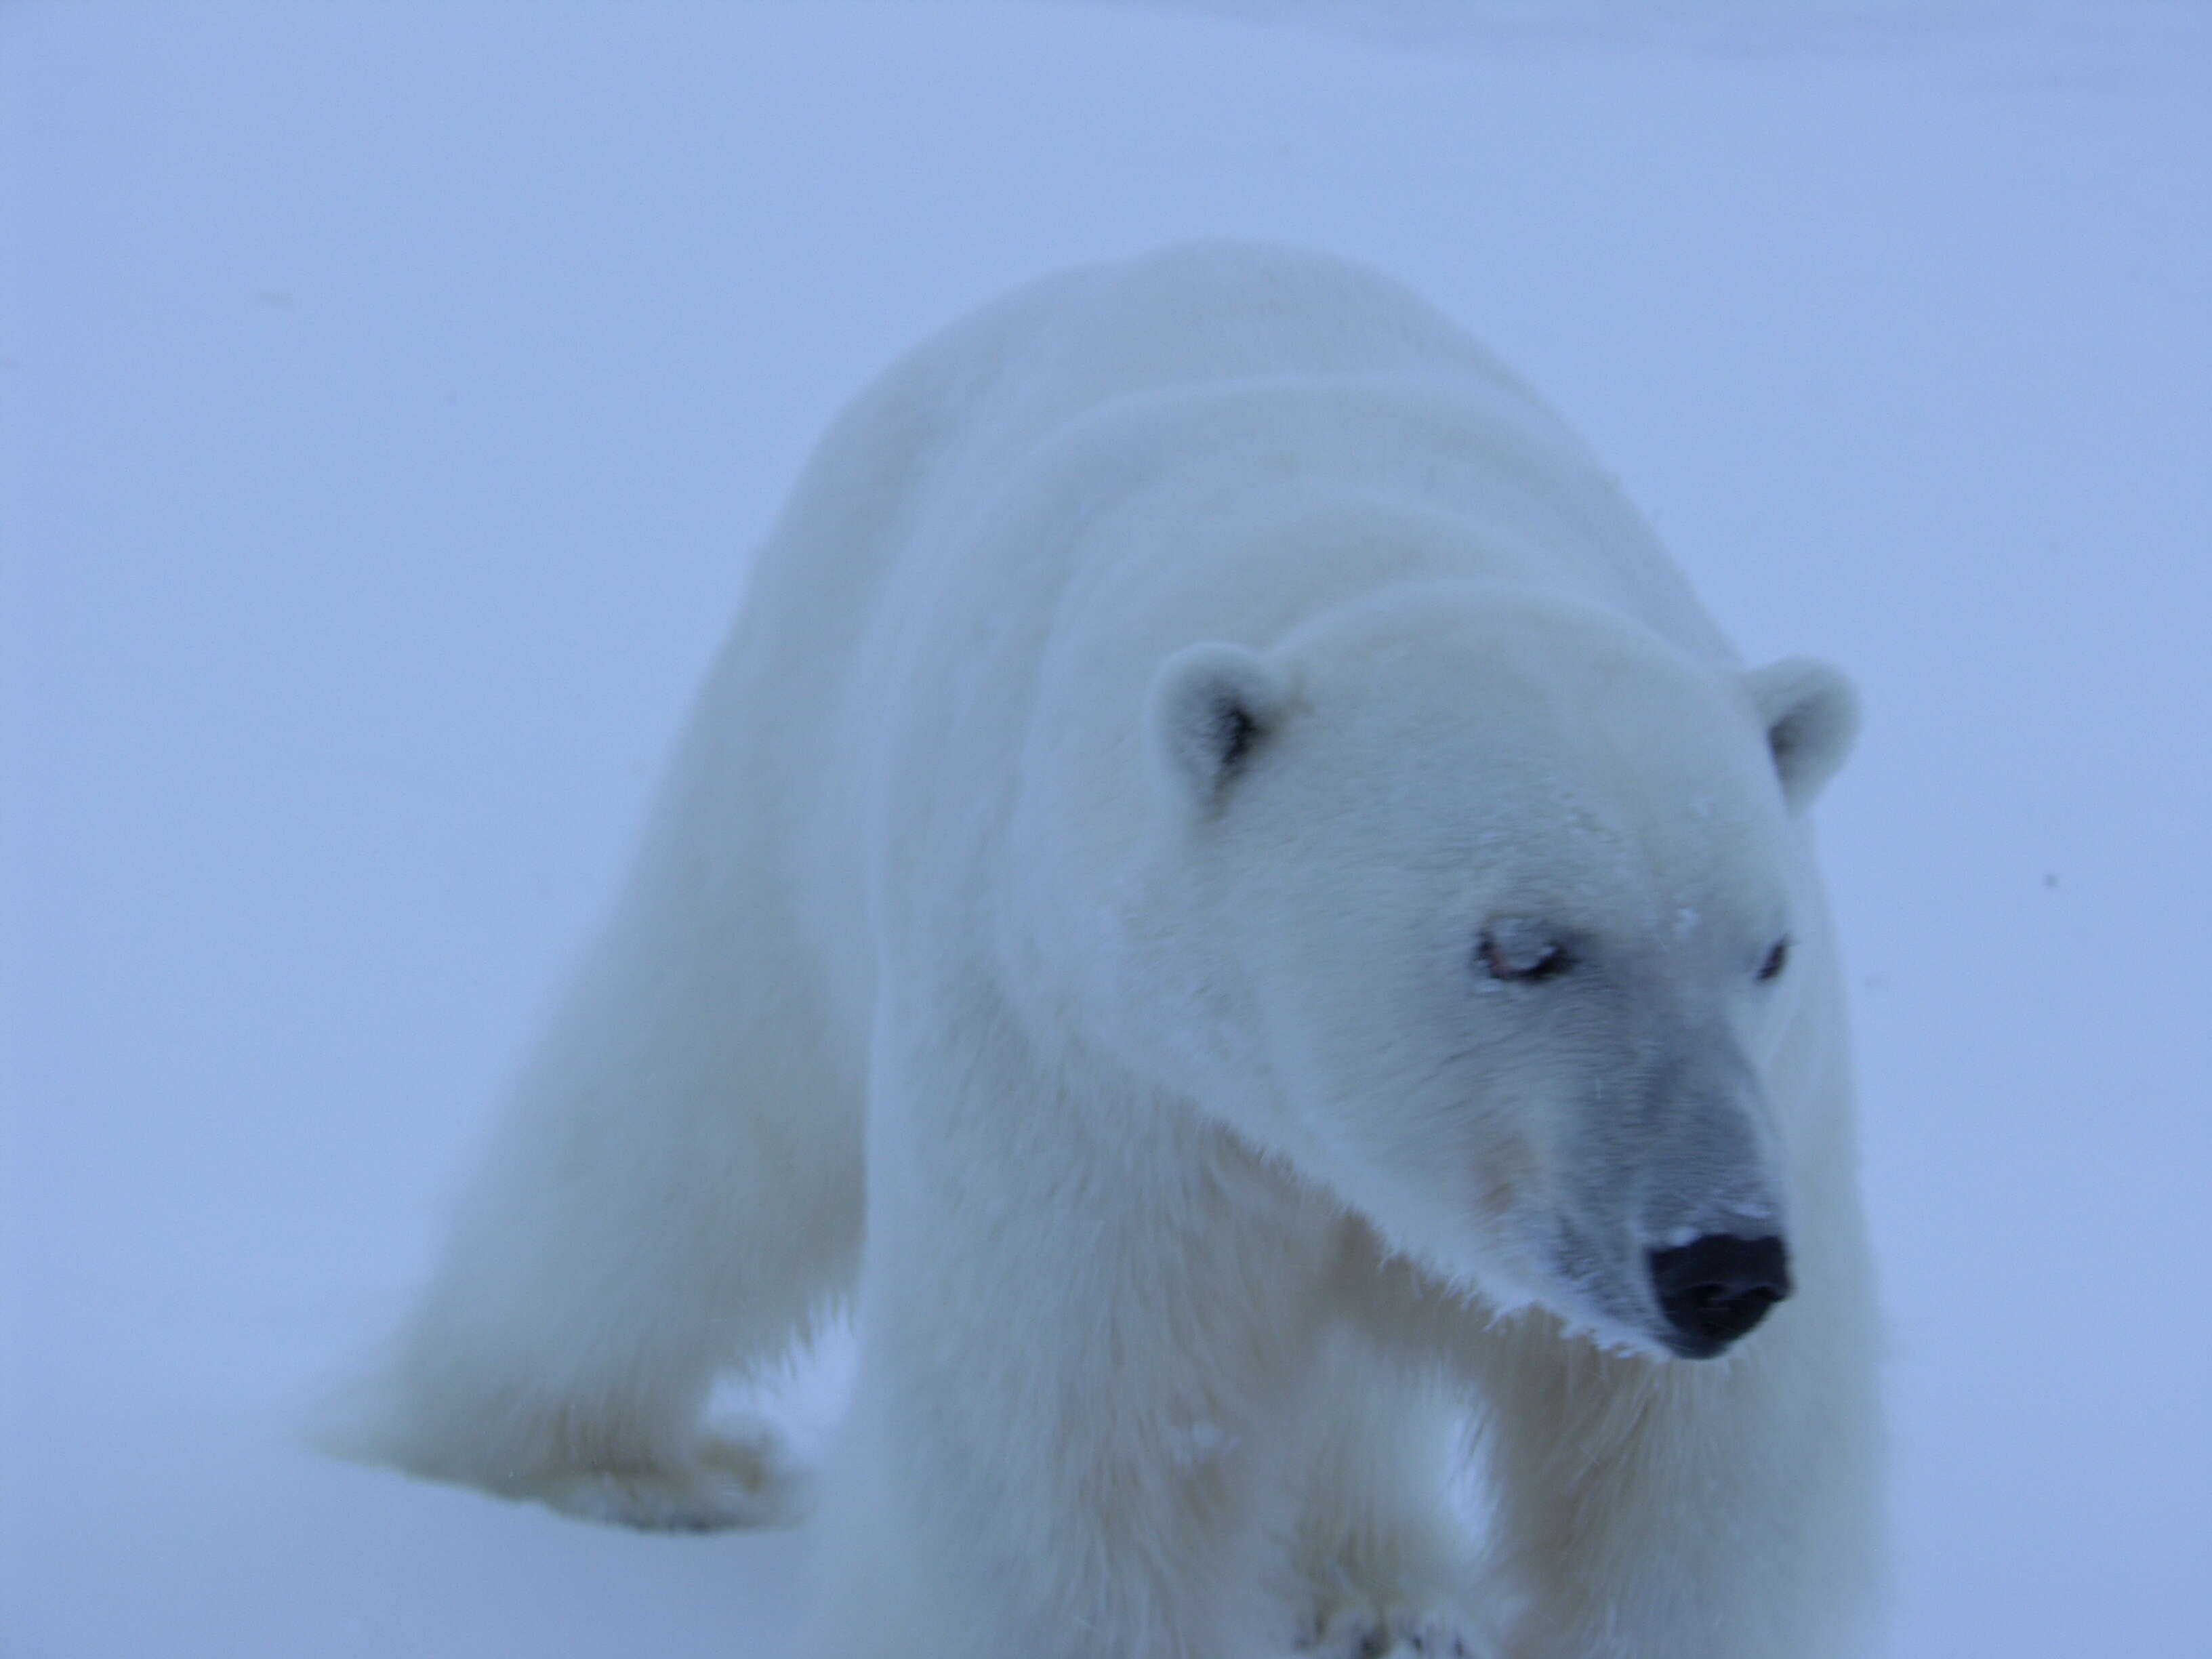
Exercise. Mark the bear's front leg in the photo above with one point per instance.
(1724, 1509)
(1085, 1329)
(1387, 1558)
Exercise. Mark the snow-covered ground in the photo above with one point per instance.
(391, 395)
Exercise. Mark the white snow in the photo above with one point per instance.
(391, 393)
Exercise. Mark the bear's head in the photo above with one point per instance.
(1506, 910)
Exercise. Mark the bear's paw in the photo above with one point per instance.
(729, 1480)
(1355, 1632)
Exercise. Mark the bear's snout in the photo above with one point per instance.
(1715, 1288)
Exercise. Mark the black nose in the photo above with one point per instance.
(1713, 1290)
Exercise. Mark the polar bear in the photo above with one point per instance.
(1226, 892)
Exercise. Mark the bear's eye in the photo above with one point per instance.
(1777, 959)
(1515, 955)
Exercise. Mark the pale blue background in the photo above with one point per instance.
(390, 396)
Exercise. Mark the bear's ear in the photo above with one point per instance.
(1811, 714)
(1211, 706)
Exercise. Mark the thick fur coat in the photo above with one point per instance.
(1225, 889)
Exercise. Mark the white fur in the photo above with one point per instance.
(1165, 693)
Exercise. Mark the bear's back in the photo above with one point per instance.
(1206, 314)
(964, 411)
(929, 446)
